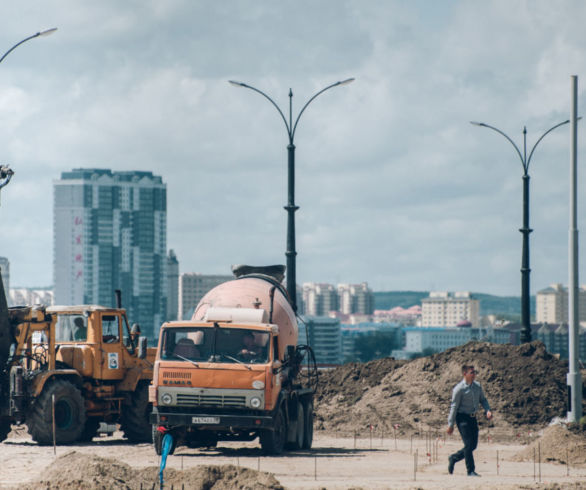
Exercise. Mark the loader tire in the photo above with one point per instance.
(273, 441)
(135, 416)
(69, 414)
(4, 428)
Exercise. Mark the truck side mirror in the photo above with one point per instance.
(142, 347)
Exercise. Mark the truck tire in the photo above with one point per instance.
(307, 425)
(4, 428)
(158, 441)
(90, 429)
(297, 437)
(273, 441)
(69, 414)
(135, 416)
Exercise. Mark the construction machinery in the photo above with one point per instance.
(235, 371)
(63, 370)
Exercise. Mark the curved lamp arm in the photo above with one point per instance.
(38, 34)
(343, 82)
(509, 139)
(543, 136)
(241, 84)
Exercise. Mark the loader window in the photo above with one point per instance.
(71, 328)
(110, 329)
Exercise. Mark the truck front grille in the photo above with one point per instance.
(185, 399)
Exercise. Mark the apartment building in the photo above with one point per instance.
(193, 287)
(448, 309)
(551, 304)
(110, 232)
(324, 336)
(319, 298)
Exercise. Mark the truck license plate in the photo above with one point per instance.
(205, 420)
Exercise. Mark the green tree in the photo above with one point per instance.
(375, 345)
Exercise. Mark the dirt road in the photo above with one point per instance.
(333, 463)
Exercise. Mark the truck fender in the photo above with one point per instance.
(41, 379)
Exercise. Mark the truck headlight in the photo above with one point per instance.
(167, 399)
(255, 402)
(257, 384)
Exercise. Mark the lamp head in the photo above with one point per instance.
(47, 32)
(347, 81)
(236, 84)
(477, 123)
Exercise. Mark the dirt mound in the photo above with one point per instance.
(79, 471)
(525, 385)
(558, 444)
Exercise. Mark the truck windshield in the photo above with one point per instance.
(230, 345)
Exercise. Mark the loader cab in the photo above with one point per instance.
(93, 340)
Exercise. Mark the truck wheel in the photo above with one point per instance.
(90, 430)
(273, 441)
(69, 414)
(135, 416)
(4, 429)
(307, 425)
(158, 441)
(296, 439)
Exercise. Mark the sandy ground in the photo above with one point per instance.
(333, 463)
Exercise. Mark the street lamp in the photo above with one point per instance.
(291, 208)
(525, 270)
(5, 172)
(47, 32)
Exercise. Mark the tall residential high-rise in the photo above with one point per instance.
(551, 304)
(5, 270)
(319, 298)
(193, 287)
(356, 298)
(173, 286)
(110, 232)
(446, 309)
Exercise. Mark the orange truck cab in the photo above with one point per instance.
(234, 371)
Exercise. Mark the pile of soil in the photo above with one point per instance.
(557, 443)
(525, 385)
(80, 471)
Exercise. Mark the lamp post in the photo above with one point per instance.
(291, 207)
(5, 172)
(525, 231)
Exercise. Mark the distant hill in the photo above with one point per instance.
(489, 304)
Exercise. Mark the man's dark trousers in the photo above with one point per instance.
(468, 427)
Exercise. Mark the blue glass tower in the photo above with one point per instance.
(110, 233)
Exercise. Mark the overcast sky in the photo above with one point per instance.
(395, 187)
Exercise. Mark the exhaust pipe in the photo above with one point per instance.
(118, 294)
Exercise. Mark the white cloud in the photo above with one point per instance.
(395, 186)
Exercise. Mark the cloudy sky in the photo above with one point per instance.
(395, 187)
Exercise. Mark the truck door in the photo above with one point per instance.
(111, 347)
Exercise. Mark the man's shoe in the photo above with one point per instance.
(451, 464)
(473, 473)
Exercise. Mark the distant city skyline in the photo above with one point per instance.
(395, 187)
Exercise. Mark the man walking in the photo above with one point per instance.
(467, 396)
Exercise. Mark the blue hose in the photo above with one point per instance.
(165, 450)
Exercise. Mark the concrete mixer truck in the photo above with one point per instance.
(235, 371)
